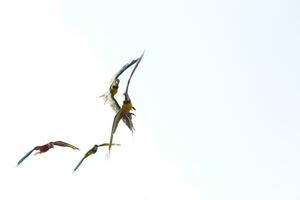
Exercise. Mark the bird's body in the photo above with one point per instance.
(114, 90)
(127, 106)
(109, 96)
(123, 112)
(114, 83)
(44, 148)
(92, 151)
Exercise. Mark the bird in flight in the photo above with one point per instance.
(114, 83)
(44, 148)
(92, 151)
(113, 89)
(126, 107)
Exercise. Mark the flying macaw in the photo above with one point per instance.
(114, 83)
(126, 107)
(44, 148)
(90, 152)
(113, 89)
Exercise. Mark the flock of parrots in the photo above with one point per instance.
(121, 113)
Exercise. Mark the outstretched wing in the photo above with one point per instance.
(64, 144)
(126, 66)
(126, 118)
(128, 82)
(107, 144)
(24, 157)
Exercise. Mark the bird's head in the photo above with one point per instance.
(116, 82)
(127, 98)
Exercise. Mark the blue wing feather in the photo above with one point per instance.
(136, 65)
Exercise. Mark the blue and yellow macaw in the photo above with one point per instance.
(126, 107)
(44, 148)
(113, 89)
(91, 152)
(114, 83)
(125, 110)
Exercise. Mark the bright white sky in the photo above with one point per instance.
(217, 98)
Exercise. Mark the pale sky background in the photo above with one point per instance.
(217, 99)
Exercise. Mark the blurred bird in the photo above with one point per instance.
(113, 89)
(114, 85)
(126, 107)
(45, 148)
(90, 152)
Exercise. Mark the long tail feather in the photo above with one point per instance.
(110, 141)
(78, 165)
(24, 157)
(114, 127)
(116, 121)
